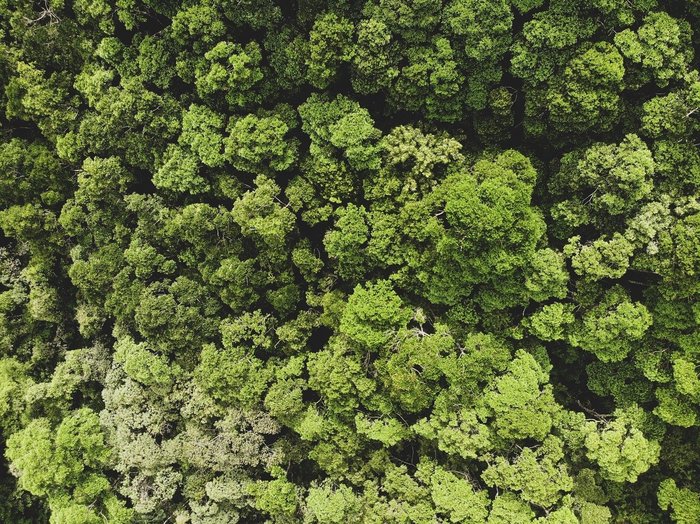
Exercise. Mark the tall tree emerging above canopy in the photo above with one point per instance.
(328, 262)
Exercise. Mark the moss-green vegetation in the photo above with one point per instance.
(335, 262)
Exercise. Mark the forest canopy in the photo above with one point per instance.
(329, 262)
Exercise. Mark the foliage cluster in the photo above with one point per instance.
(373, 261)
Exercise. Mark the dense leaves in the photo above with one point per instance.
(389, 261)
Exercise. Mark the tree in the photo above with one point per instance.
(373, 314)
(144, 366)
(587, 94)
(610, 329)
(128, 120)
(31, 96)
(508, 508)
(373, 57)
(520, 406)
(326, 505)
(381, 262)
(347, 241)
(608, 181)
(259, 144)
(232, 69)
(202, 132)
(484, 49)
(601, 258)
(621, 449)
(683, 503)
(538, 475)
(661, 47)
(548, 276)
(76, 453)
(412, 371)
(340, 125)
(456, 498)
(179, 172)
(14, 383)
(330, 45)
(262, 216)
(475, 214)
(430, 82)
(673, 114)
